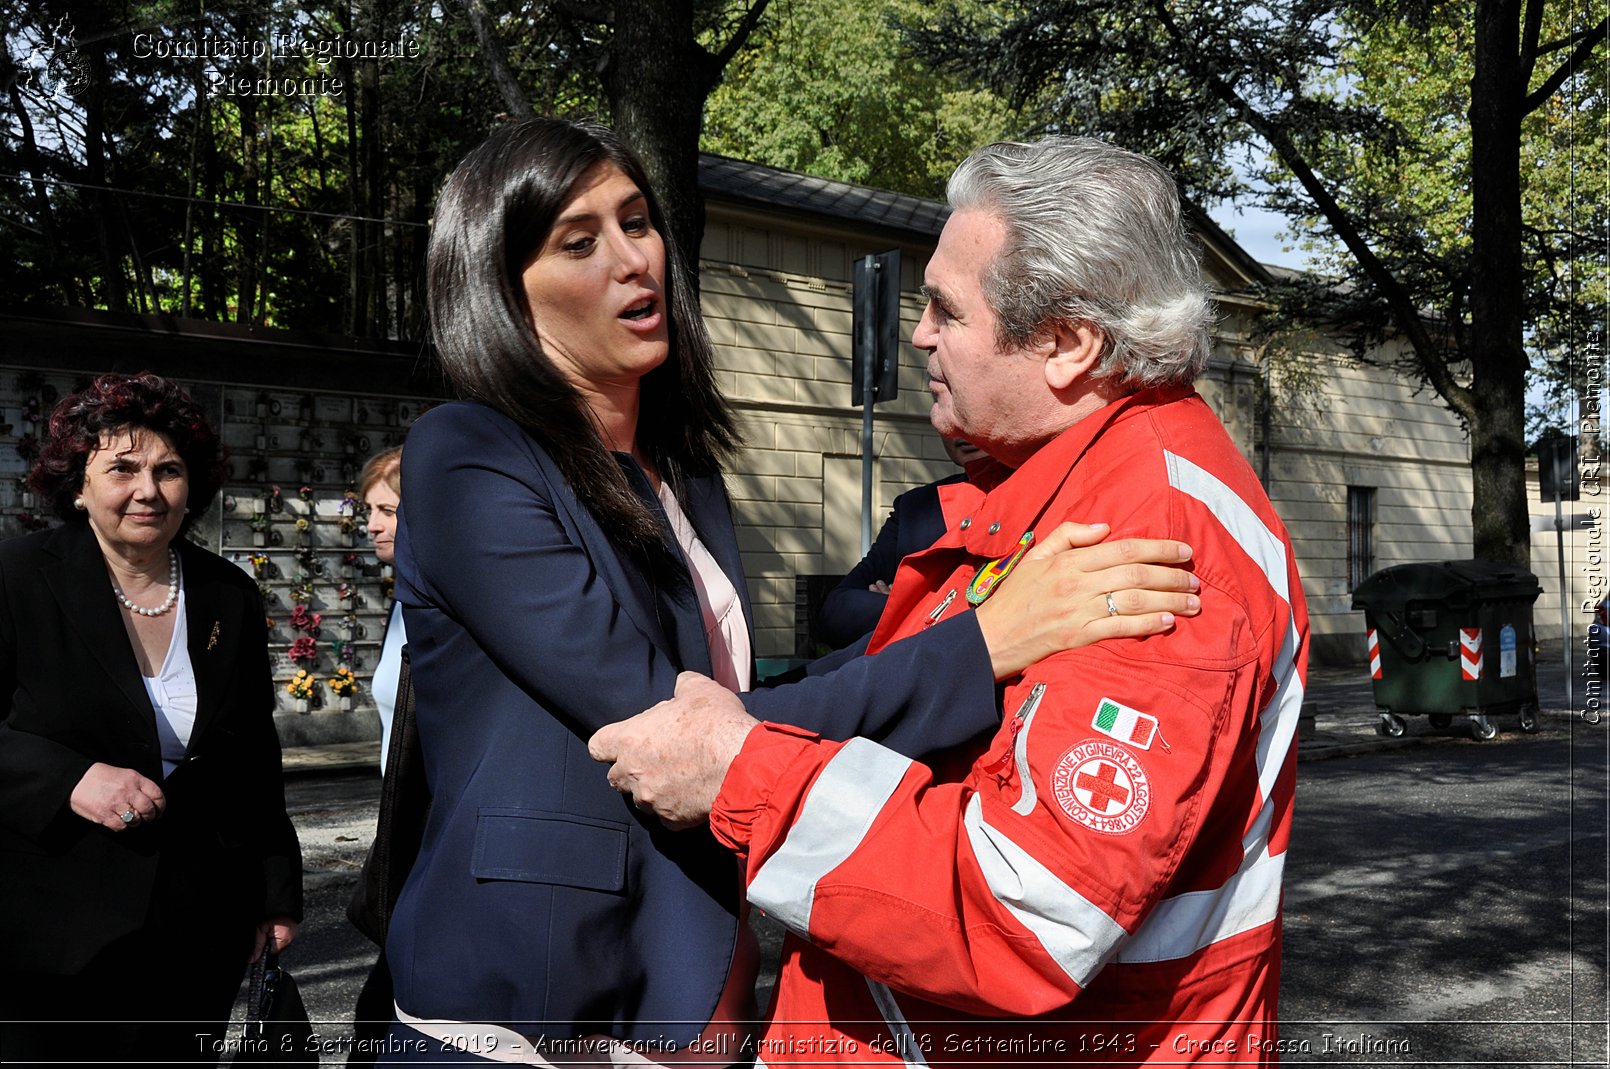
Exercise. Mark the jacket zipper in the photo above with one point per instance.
(1024, 712)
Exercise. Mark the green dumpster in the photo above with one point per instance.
(1449, 639)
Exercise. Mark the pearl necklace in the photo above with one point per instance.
(168, 602)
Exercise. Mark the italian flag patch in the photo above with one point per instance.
(1129, 726)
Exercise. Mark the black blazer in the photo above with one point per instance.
(541, 900)
(915, 522)
(224, 853)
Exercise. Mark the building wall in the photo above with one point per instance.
(1366, 428)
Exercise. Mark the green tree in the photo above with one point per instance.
(1446, 251)
(133, 182)
(653, 63)
(826, 91)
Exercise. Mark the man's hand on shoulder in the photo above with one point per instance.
(671, 759)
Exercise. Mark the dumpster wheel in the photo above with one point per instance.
(1482, 729)
(1440, 720)
(1527, 720)
(1391, 725)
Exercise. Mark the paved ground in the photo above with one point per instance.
(1412, 934)
(1339, 719)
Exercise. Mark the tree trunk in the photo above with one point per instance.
(246, 230)
(357, 291)
(214, 269)
(657, 83)
(1497, 350)
(496, 59)
(377, 321)
(115, 291)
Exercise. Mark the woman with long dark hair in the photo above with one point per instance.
(566, 548)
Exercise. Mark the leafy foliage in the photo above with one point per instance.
(828, 91)
(1435, 147)
(132, 178)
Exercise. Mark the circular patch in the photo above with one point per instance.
(1103, 787)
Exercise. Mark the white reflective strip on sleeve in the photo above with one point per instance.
(1074, 931)
(1182, 925)
(847, 796)
(1256, 840)
(905, 1042)
(1025, 801)
(1269, 554)
(1260, 543)
(1277, 727)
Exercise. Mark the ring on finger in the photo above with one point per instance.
(1112, 606)
(127, 816)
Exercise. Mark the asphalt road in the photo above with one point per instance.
(1445, 903)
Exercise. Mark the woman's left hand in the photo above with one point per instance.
(1074, 589)
(282, 929)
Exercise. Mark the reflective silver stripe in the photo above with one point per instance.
(905, 1042)
(1074, 931)
(1190, 922)
(1237, 517)
(1184, 924)
(1269, 553)
(1277, 726)
(848, 795)
(1025, 802)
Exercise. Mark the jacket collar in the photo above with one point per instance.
(705, 501)
(1018, 502)
(678, 623)
(83, 592)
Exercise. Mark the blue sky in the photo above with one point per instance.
(1254, 230)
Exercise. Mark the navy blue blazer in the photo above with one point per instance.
(541, 900)
(915, 522)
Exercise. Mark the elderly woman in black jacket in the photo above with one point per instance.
(144, 845)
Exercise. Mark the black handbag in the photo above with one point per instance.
(404, 805)
(277, 1030)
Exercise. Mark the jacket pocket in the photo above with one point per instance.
(538, 847)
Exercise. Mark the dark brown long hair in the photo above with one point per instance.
(494, 212)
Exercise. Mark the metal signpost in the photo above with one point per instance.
(875, 351)
(1559, 477)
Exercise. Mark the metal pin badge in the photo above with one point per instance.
(983, 584)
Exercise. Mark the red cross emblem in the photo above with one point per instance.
(1102, 786)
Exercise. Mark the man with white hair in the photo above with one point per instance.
(1101, 883)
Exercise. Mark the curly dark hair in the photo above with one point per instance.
(115, 402)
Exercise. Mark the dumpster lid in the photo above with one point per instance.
(1445, 580)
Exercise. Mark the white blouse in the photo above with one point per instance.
(725, 628)
(173, 692)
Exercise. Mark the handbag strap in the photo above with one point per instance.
(262, 976)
